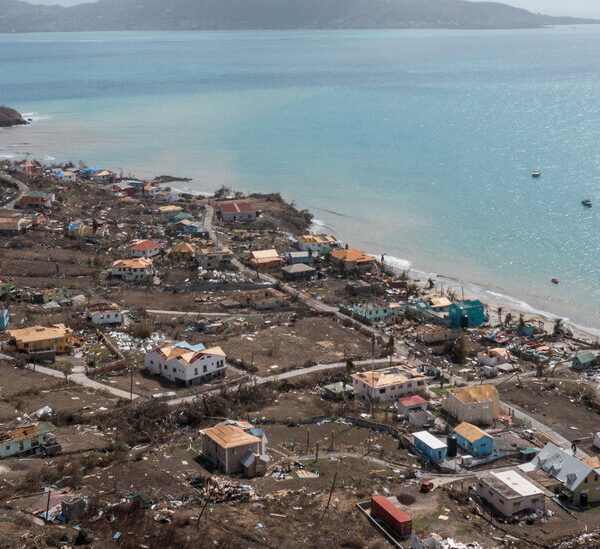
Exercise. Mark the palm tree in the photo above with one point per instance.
(558, 327)
(391, 347)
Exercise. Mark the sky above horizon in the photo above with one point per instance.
(580, 8)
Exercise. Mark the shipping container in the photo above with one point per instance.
(389, 514)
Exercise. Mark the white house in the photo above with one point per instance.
(479, 405)
(132, 269)
(509, 492)
(187, 364)
(145, 248)
(105, 313)
(389, 384)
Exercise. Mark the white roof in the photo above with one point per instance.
(517, 482)
(428, 439)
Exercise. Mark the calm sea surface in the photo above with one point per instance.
(418, 144)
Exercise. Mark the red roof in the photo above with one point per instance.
(412, 401)
(237, 207)
(145, 245)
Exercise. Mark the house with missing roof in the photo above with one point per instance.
(236, 447)
(474, 440)
(237, 211)
(479, 405)
(321, 244)
(579, 482)
(187, 364)
(144, 248)
(35, 199)
(388, 384)
(368, 313)
(267, 299)
(105, 314)
(214, 257)
(25, 440)
(509, 492)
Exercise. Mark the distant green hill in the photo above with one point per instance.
(10, 117)
(18, 16)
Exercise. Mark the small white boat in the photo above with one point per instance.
(536, 172)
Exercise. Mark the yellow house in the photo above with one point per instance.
(35, 339)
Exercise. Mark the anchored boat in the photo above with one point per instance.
(536, 172)
(587, 203)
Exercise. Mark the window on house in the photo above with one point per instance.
(204, 368)
(195, 371)
(381, 391)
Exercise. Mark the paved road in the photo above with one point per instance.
(8, 180)
(188, 313)
(81, 379)
(291, 374)
(538, 425)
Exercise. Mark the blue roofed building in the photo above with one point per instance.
(467, 314)
(3, 319)
(473, 440)
(431, 447)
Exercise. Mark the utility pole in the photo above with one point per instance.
(330, 494)
(372, 375)
(48, 506)
(132, 368)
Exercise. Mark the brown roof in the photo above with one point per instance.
(476, 395)
(184, 248)
(237, 207)
(39, 333)
(353, 254)
(389, 376)
(230, 436)
(470, 432)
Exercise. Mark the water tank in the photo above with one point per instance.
(452, 446)
(583, 500)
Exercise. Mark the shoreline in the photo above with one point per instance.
(490, 294)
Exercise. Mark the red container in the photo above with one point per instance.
(394, 518)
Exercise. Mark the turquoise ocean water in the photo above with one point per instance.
(418, 144)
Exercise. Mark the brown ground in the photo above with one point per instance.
(555, 405)
(308, 341)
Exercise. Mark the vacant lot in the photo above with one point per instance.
(558, 404)
(308, 341)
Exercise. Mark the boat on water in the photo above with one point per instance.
(536, 172)
(555, 281)
(587, 203)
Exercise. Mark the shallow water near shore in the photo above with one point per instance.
(417, 144)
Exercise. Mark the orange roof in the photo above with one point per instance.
(230, 436)
(187, 356)
(353, 255)
(470, 432)
(137, 263)
(184, 248)
(476, 395)
(144, 245)
(39, 333)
